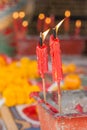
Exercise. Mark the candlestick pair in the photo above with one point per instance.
(42, 58)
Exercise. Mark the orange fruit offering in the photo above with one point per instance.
(72, 81)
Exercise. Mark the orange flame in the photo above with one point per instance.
(22, 14)
(15, 15)
(58, 25)
(78, 23)
(48, 20)
(44, 34)
(25, 23)
(41, 16)
(67, 13)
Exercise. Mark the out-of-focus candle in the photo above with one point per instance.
(47, 23)
(77, 27)
(52, 17)
(15, 21)
(40, 22)
(24, 26)
(67, 21)
(21, 14)
(15, 15)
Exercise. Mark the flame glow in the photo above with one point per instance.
(41, 16)
(21, 14)
(58, 25)
(67, 13)
(25, 23)
(44, 34)
(48, 20)
(78, 23)
(15, 15)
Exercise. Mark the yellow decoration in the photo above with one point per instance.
(14, 81)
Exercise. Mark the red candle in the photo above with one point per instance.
(55, 52)
(47, 23)
(77, 27)
(24, 26)
(40, 22)
(56, 59)
(42, 59)
(67, 21)
(15, 21)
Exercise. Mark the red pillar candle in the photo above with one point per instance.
(47, 23)
(40, 22)
(52, 24)
(56, 59)
(77, 27)
(67, 21)
(15, 21)
(42, 59)
(24, 26)
(55, 52)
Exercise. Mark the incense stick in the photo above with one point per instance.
(59, 97)
(44, 89)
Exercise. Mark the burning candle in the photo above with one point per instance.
(42, 59)
(52, 17)
(15, 18)
(21, 14)
(77, 27)
(40, 22)
(67, 21)
(47, 23)
(24, 27)
(56, 60)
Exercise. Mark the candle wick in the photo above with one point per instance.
(54, 32)
(41, 39)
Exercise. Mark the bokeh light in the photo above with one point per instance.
(41, 16)
(67, 13)
(22, 14)
(48, 20)
(25, 23)
(15, 15)
(78, 23)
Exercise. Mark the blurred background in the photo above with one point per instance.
(22, 21)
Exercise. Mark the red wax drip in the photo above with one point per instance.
(42, 59)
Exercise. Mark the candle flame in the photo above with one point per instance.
(58, 25)
(67, 13)
(44, 34)
(78, 23)
(48, 20)
(41, 16)
(25, 23)
(21, 14)
(15, 15)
